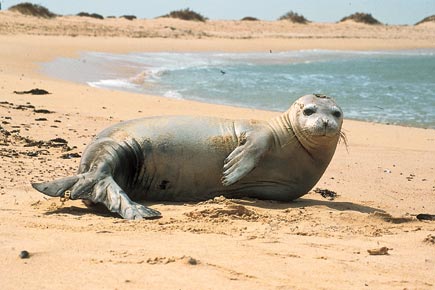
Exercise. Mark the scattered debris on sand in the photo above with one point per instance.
(430, 239)
(386, 217)
(326, 193)
(33, 92)
(24, 255)
(166, 260)
(380, 251)
(426, 217)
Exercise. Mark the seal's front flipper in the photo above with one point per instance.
(57, 187)
(246, 156)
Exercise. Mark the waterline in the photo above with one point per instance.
(395, 87)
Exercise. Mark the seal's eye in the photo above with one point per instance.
(309, 111)
(336, 114)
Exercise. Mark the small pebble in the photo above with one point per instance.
(24, 254)
(192, 261)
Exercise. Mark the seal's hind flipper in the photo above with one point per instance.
(57, 187)
(108, 192)
(103, 189)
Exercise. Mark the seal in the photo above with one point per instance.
(191, 158)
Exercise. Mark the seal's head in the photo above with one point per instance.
(316, 121)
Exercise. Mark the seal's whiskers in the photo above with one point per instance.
(343, 138)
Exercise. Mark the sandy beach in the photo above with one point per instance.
(383, 178)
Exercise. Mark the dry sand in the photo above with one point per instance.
(383, 179)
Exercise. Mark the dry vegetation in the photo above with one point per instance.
(249, 18)
(32, 10)
(186, 14)
(128, 17)
(365, 18)
(248, 28)
(427, 19)
(92, 15)
(294, 17)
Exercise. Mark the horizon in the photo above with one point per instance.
(393, 12)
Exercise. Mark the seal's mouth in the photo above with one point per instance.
(323, 128)
(324, 133)
(318, 135)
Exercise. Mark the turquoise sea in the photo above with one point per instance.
(396, 87)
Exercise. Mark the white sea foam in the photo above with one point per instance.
(173, 95)
(114, 84)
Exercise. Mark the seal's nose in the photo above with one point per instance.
(326, 127)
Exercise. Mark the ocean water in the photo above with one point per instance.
(396, 87)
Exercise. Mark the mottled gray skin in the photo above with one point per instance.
(187, 158)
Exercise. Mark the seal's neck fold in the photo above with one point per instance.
(282, 129)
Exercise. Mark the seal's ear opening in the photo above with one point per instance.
(56, 187)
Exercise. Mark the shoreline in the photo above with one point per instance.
(103, 72)
(383, 180)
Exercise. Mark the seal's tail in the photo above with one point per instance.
(57, 187)
(104, 189)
